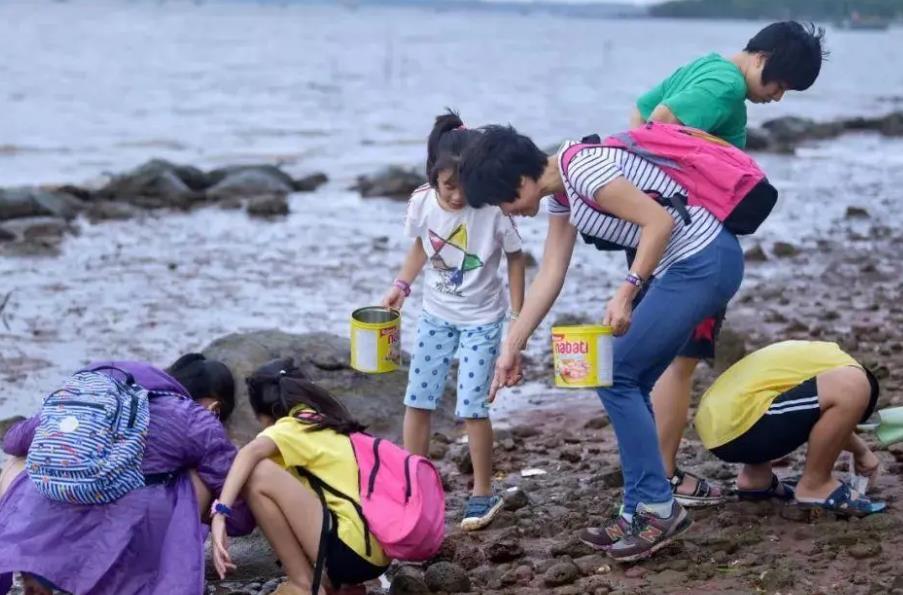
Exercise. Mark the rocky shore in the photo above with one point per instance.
(841, 282)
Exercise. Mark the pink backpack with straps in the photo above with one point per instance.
(718, 177)
(402, 498)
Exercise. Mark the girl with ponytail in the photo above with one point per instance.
(464, 305)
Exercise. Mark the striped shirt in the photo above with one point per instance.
(593, 168)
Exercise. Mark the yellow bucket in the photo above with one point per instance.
(375, 340)
(582, 356)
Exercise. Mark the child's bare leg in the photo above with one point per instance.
(843, 394)
(755, 477)
(202, 494)
(14, 466)
(291, 517)
(417, 430)
(479, 439)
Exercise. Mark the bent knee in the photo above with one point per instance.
(847, 387)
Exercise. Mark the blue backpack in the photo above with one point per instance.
(89, 445)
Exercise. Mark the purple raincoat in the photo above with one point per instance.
(151, 541)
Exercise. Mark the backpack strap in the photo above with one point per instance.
(320, 564)
(319, 486)
(129, 379)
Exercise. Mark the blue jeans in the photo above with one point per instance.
(688, 292)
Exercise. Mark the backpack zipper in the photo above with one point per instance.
(77, 403)
(134, 411)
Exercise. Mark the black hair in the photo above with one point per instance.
(205, 378)
(446, 142)
(492, 166)
(794, 51)
(277, 387)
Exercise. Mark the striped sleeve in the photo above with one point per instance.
(555, 205)
(591, 170)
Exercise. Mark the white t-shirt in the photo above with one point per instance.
(463, 248)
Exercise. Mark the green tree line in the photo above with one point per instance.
(779, 9)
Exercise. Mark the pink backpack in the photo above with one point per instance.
(402, 498)
(719, 177)
(402, 502)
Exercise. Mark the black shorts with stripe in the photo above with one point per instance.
(784, 427)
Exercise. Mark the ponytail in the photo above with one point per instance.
(277, 387)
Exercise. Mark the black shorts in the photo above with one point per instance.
(344, 566)
(784, 427)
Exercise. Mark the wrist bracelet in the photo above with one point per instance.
(219, 508)
(635, 280)
(514, 315)
(404, 286)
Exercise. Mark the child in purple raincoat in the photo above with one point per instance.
(151, 541)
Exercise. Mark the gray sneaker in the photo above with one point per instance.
(480, 511)
(650, 533)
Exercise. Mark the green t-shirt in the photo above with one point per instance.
(708, 93)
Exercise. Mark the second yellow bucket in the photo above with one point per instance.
(375, 340)
(582, 356)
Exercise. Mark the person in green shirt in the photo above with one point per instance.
(710, 93)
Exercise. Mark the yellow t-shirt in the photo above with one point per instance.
(742, 395)
(329, 456)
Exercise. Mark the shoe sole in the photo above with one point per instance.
(475, 524)
(690, 502)
(681, 529)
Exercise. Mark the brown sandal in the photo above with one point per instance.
(703, 495)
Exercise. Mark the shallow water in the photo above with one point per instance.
(103, 86)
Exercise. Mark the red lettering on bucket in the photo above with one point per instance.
(391, 333)
(571, 347)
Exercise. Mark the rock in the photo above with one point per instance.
(784, 250)
(250, 182)
(265, 169)
(573, 547)
(523, 432)
(438, 450)
(107, 210)
(591, 564)
(393, 182)
(776, 579)
(45, 231)
(275, 205)
(461, 459)
(505, 550)
(6, 235)
(563, 573)
(515, 499)
(571, 454)
(793, 129)
(667, 581)
(372, 398)
(731, 349)
(408, 581)
(865, 550)
(155, 184)
(310, 183)
(758, 139)
(892, 124)
(597, 423)
(37, 202)
(755, 254)
(448, 577)
(856, 213)
(612, 478)
(529, 259)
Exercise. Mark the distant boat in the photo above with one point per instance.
(857, 22)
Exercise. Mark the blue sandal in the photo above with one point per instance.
(842, 502)
(778, 490)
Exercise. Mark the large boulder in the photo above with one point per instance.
(393, 182)
(264, 169)
(37, 202)
(157, 184)
(250, 182)
(310, 182)
(375, 399)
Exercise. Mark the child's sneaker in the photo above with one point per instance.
(602, 538)
(650, 533)
(480, 511)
